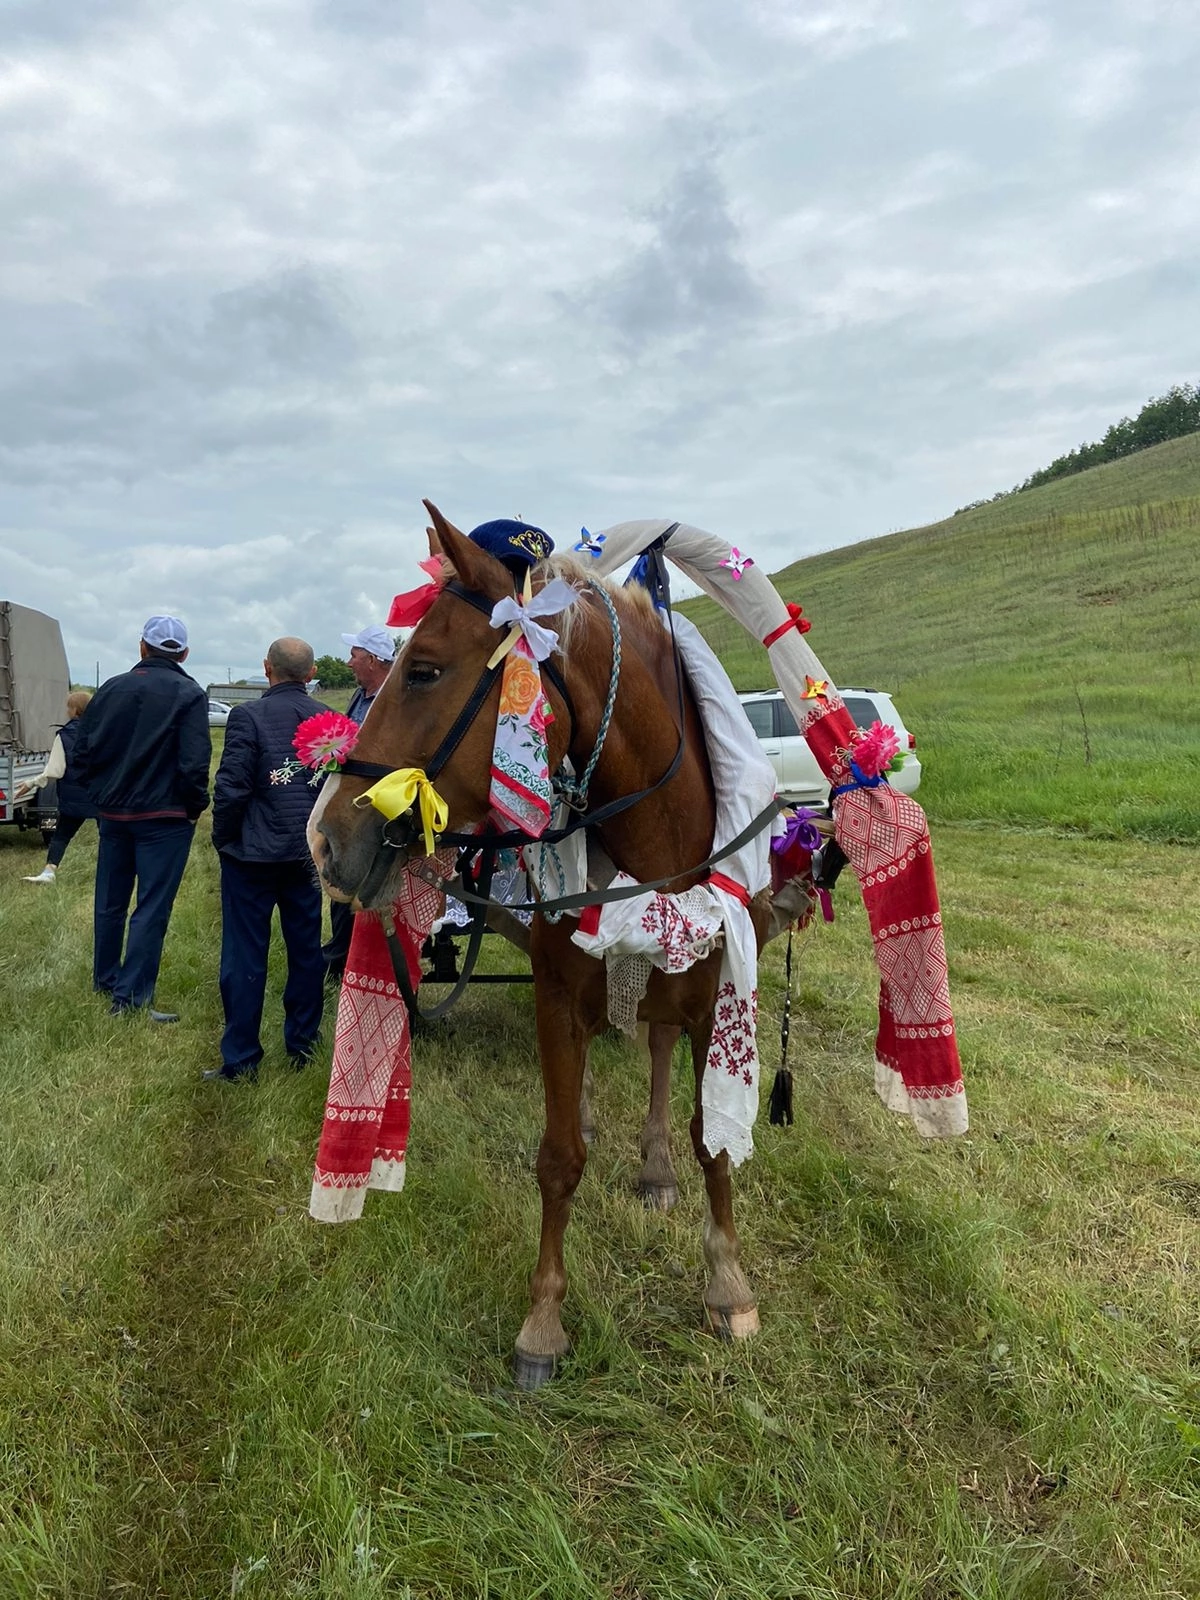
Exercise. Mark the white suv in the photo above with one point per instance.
(799, 777)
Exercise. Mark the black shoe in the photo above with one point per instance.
(230, 1074)
(122, 1008)
(299, 1059)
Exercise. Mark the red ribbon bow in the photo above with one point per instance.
(795, 619)
(408, 608)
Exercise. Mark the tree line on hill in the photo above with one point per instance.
(333, 673)
(1170, 416)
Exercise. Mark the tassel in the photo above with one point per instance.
(781, 1098)
(781, 1089)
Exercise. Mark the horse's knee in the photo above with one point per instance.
(560, 1165)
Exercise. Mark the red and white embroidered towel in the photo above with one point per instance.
(364, 1137)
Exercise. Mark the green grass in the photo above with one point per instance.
(979, 1371)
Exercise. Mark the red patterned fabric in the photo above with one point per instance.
(886, 840)
(364, 1136)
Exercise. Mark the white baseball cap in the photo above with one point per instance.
(167, 634)
(376, 641)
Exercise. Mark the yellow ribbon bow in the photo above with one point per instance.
(399, 792)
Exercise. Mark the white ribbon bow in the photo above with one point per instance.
(518, 615)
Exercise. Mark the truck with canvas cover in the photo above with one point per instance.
(34, 683)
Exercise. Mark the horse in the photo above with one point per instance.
(667, 833)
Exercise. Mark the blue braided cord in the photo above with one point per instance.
(575, 793)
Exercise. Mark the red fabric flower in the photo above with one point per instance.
(408, 609)
(323, 742)
(875, 751)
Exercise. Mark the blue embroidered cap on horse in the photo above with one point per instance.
(511, 540)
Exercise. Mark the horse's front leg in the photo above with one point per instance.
(561, 1158)
(729, 1302)
(657, 1184)
(587, 1117)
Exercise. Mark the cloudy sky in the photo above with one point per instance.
(798, 271)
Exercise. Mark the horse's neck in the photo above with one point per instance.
(670, 831)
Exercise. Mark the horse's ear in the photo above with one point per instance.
(476, 569)
(436, 545)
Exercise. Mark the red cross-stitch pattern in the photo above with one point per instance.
(732, 1049)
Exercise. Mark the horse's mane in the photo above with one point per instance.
(633, 603)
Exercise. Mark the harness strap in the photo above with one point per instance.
(488, 843)
(483, 883)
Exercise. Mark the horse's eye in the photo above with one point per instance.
(423, 673)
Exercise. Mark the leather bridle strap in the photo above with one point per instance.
(489, 843)
(480, 894)
(355, 768)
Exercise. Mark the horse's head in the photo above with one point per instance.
(412, 721)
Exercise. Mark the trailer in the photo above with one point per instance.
(34, 683)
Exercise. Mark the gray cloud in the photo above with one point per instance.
(802, 273)
(688, 277)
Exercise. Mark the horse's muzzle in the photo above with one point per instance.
(347, 845)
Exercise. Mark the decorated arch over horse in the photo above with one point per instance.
(884, 834)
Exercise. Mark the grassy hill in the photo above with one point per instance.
(1045, 647)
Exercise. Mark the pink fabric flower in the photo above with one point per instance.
(323, 742)
(875, 750)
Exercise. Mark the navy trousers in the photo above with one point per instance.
(250, 891)
(65, 830)
(151, 854)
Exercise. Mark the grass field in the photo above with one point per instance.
(1045, 649)
(979, 1371)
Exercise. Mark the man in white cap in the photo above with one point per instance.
(143, 754)
(372, 651)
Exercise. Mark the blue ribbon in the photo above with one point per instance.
(861, 781)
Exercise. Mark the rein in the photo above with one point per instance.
(488, 845)
(479, 898)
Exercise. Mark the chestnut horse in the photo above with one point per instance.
(670, 831)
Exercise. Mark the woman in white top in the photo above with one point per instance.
(74, 807)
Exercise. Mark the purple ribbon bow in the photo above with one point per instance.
(801, 830)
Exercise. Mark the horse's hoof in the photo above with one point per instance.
(588, 1130)
(658, 1196)
(732, 1324)
(531, 1372)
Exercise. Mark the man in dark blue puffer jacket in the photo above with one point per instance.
(261, 801)
(142, 754)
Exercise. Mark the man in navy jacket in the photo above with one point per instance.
(143, 753)
(262, 798)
